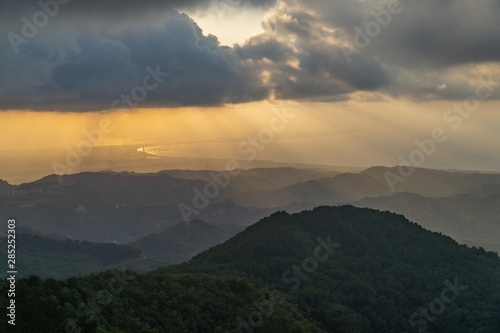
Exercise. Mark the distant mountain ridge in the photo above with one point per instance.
(113, 207)
(467, 217)
(123, 206)
(5, 186)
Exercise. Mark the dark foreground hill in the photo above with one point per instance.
(116, 301)
(379, 273)
(333, 269)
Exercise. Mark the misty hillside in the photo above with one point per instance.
(184, 240)
(48, 257)
(433, 183)
(332, 269)
(272, 177)
(113, 207)
(123, 207)
(469, 218)
(351, 187)
(342, 188)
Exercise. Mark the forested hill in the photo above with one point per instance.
(332, 269)
(55, 258)
(382, 271)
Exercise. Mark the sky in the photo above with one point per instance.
(358, 82)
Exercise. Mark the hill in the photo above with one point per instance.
(5, 186)
(332, 269)
(119, 302)
(54, 258)
(342, 188)
(113, 207)
(470, 218)
(434, 183)
(125, 206)
(184, 240)
(383, 271)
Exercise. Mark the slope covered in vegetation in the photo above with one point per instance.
(332, 269)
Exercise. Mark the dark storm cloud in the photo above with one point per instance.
(92, 53)
(88, 70)
(119, 7)
(429, 34)
(446, 31)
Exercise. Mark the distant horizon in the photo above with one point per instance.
(155, 168)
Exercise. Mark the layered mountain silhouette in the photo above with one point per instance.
(123, 207)
(331, 269)
(469, 218)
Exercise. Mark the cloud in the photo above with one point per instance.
(305, 60)
(88, 69)
(127, 7)
(417, 51)
(92, 53)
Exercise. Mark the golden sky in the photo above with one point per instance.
(348, 133)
